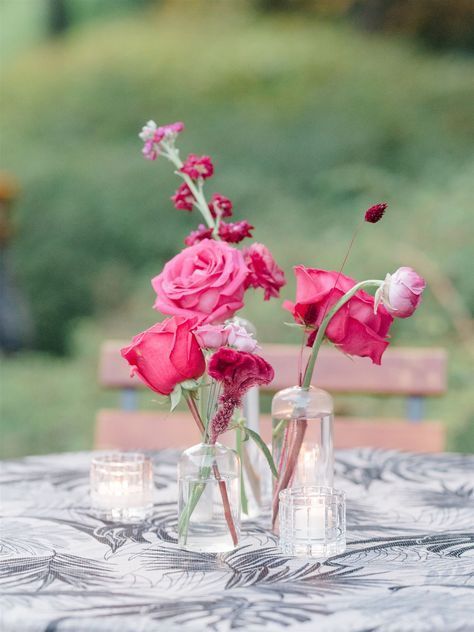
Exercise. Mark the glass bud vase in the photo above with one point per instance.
(209, 498)
(255, 471)
(302, 445)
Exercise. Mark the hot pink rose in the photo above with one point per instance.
(401, 292)
(166, 354)
(212, 336)
(264, 271)
(206, 281)
(355, 328)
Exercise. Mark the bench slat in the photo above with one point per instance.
(117, 429)
(405, 371)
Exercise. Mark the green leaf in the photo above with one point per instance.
(263, 447)
(175, 396)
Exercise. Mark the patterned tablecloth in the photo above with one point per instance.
(408, 566)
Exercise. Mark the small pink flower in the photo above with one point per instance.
(234, 232)
(198, 167)
(183, 199)
(220, 205)
(239, 338)
(195, 236)
(375, 213)
(211, 336)
(401, 292)
(264, 272)
(152, 135)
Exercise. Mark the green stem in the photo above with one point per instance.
(322, 328)
(173, 156)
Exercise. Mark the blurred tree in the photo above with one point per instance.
(59, 20)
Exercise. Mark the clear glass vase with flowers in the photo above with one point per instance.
(334, 307)
(199, 353)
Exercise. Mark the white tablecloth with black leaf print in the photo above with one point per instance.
(408, 566)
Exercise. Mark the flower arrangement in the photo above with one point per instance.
(198, 352)
(332, 306)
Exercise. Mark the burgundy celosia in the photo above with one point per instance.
(375, 213)
(237, 371)
(183, 199)
(220, 205)
(195, 236)
(234, 232)
(264, 272)
(198, 167)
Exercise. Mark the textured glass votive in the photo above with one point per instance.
(312, 521)
(121, 486)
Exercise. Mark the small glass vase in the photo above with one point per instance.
(302, 444)
(209, 498)
(255, 472)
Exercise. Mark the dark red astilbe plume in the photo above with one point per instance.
(238, 371)
(375, 213)
(234, 232)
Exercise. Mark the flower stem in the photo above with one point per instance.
(322, 328)
(173, 156)
(199, 487)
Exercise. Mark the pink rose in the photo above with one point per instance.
(239, 338)
(206, 281)
(355, 328)
(401, 292)
(264, 271)
(211, 336)
(166, 354)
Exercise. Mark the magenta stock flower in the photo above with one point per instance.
(401, 292)
(235, 232)
(183, 198)
(220, 205)
(198, 167)
(195, 236)
(375, 213)
(264, 272)
(152, 135)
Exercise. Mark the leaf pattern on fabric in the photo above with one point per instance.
(408, 566)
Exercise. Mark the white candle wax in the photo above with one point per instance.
(310, 522)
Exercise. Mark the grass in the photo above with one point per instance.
(308, 123)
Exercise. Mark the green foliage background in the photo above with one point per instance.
(308, 122)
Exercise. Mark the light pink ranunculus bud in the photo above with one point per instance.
(240, 339)
(401, 292)
(211, 336)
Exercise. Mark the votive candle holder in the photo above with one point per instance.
(121, 485)
(312, 521)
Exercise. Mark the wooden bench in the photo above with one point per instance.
(413, 373)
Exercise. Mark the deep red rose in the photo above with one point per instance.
(264, 272)
(355, 329)
(166, 354)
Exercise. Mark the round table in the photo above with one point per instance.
(408, 565)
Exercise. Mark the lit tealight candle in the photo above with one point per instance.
(121, 486)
